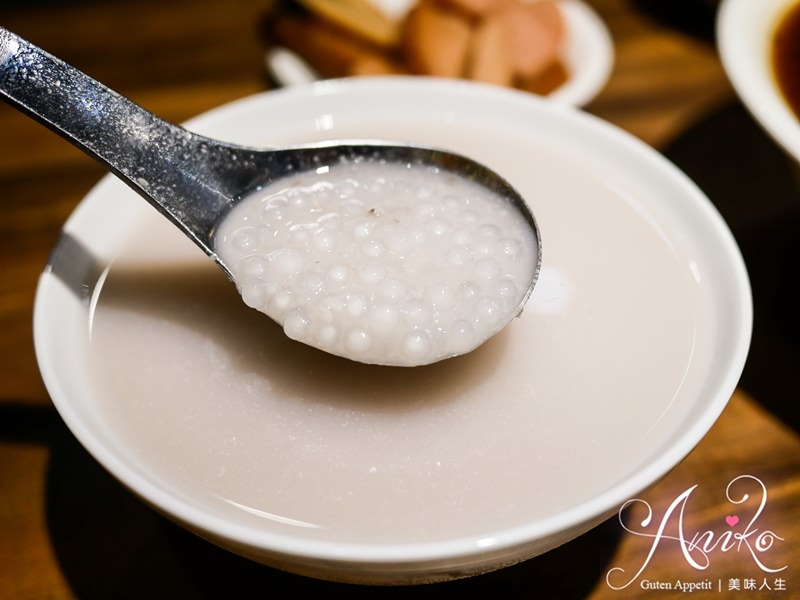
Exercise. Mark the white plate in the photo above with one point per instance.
(588, 54)
(745, 30)
(568, 495)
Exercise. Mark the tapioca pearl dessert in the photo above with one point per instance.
(380, 263)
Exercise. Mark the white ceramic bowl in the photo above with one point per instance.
(745, 31)
(637, 181)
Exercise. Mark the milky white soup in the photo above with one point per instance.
(384, 263)
(587, 384)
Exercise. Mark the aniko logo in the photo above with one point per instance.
(738, 532)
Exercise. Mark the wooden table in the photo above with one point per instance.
(68, 530)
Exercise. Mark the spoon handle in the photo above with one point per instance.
(153, 157)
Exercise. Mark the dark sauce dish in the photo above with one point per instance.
(757, 51)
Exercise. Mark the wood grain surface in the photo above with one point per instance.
(68, 530)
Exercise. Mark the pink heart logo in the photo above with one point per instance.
(731, 520)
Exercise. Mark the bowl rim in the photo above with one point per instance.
(744, 32)
(588, 52)
(423, 554)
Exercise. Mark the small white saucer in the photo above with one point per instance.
(588, 54)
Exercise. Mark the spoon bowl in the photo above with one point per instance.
(195, 181)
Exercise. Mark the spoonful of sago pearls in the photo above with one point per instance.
(387, 254)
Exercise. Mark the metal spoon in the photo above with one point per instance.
(193, 180)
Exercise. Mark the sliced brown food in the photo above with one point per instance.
(327, 48)
(476, 8)
(360, 17)
(491, 52)
(435, 41)
(549, 13)
(553, 77)
(536, 30)
(375, 65)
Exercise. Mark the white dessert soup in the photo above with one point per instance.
(561, 404)
(382, 262)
